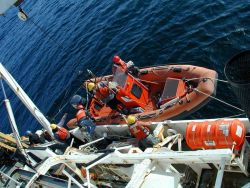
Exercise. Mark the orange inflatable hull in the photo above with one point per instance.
(202, 80)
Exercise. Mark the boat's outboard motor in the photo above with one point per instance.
(237, 71)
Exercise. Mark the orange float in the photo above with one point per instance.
(215, 134)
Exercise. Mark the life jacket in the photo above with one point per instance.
(80, 114)
(62, 133)
(79, 107)
(102, 92)
(139, 131)
(72, 123)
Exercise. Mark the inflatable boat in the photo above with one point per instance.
(153, 94)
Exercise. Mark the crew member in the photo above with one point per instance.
(118, 62)
(102, 92)
(83, 117)
(34, 138)
(47, 136)
(78, 102)
(140, 130)
(125, 67)
(60, 133)
(85, 122)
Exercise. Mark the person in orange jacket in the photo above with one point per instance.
(141, 131)
(118, 62)
(125, 67)
(83, 117)
(60, 133)
(104, 93)
(101, 91)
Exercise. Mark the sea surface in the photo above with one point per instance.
(48, 55)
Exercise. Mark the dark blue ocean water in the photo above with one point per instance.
(49, 54)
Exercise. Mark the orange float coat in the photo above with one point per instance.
(62, 133)
(80, 114)
(102, 92)
(139, 130)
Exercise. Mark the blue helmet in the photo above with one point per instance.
(28, 132)
(77, 99)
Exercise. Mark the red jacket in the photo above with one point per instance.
(102, 92)
(80, 114)
(62, 133)
(139, 130)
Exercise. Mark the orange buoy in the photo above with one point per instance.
(215, 134)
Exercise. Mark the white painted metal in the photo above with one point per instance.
(32, 180)
(140, 171)
(179, 126)
(172, 157)
(5, 5)
(167, 157)
(246, 185)
(25, 99)
(244, 156)
(220, 173)
(13, 123)
(12, 179)
(69, 182)
(90, 143)
(169, 180)
(14, 129)
(88, 178)
(73, 179)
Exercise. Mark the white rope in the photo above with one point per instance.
(59, 111)
(219, 100)
(232, 116)
(87, 94)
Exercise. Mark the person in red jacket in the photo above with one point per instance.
(118, 62)
(140, 130)
(128, 67)
(104, 93)
(60, 133)
(101, 91)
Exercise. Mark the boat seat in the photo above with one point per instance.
(173, 89)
